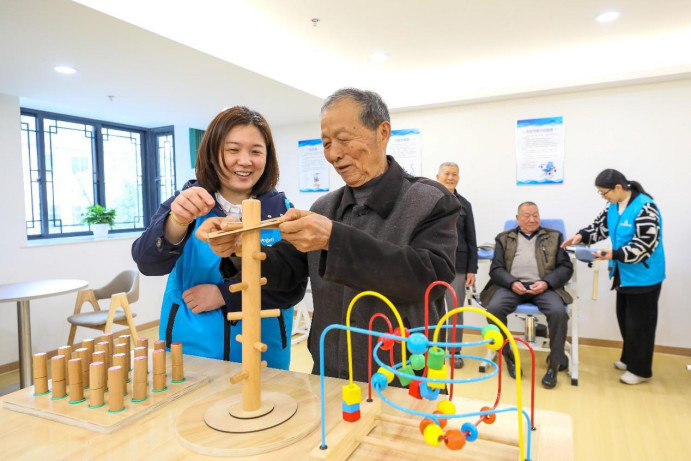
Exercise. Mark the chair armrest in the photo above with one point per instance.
(84, 296)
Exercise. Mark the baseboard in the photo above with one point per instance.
(12, 366)
(683, 351)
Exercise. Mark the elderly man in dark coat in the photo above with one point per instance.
(384, 230)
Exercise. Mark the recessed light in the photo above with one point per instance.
(67, 70)
(607, 16)
(379, 56)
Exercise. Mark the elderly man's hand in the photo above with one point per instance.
(221, 246)
(538, 287)
(307, 231)
(518, 288)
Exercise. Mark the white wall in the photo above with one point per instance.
(94, 261)
(641, 130)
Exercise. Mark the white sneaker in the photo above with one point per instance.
(630, 378)
(619, 365)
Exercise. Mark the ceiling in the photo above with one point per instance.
(163, 57)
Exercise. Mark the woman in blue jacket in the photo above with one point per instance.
(633, 223)
(236, 161)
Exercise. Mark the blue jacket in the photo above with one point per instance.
(192, 263)
(622, 230)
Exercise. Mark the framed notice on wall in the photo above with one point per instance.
(313, 169)
(540, 151)
(404, 146)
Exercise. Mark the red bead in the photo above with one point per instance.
(442, 421)
(386, 343)
(351, 417)
(397, 332)
(454, 439)
(414, 390)
(424, 423)
(490, 418)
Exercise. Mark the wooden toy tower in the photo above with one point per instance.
(256, 420)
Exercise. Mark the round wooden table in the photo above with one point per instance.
(23, 293)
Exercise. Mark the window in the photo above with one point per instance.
(71, 163)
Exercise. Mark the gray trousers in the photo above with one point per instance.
(458, 285)
(549, 303)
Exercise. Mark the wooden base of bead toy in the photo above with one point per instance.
(208, 428)
(401, 437)
(99, 419)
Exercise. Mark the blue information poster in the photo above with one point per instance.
(540, 151)
(313, 167)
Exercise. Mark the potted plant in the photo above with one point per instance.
(99, 219)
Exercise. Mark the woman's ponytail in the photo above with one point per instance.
(609, 178)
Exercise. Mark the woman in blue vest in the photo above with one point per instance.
(236, 161)
(633, 223)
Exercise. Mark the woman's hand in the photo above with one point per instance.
(575, 240)
(603, 255)
(222, 246)
(191, 203)
(203, 298)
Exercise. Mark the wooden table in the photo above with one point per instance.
(23, 293)
(155, 435)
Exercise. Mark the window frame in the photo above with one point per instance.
(149, 163)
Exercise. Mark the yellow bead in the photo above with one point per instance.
(437, 374)
(496, 337)
(433, 434)
(352, 394)
(389, 375)
(446, 407)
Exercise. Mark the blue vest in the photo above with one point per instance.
(622, 230)
(204, 334)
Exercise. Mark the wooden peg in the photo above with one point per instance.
(232, 316)
(238, 338)
(239, 377)
(139, 379)
(97, 387)
(104, 346)
(108, 337)
(270, 313)
(142, 342)
(100, 356)
(66, 351)
(234, 288)
(264, 364)
(178, 375)
(83, 353)
(119, 360)
(116, 393)
(141, 352)
(262, 281)
(259, 256)
(57, 368)
(159, 344)
(159, 359)
(261, 347)
(159, 383)
(40, 373)
(124, 348)
(75, 386)
(89, 345)
(124, 339)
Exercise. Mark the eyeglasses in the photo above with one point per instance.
(602, 194)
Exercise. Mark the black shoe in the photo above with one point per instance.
(561, 367)
(550, 378)
(510, 364)
(458, 362)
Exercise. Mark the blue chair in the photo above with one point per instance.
(541, 343)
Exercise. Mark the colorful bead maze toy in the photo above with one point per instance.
(427, 357)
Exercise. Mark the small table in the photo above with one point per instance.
(22, 293)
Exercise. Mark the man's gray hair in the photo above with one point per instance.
(525, 204)
(373, 109)
(448, 164)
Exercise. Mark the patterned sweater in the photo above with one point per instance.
(645, 241)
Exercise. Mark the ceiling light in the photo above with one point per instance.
(379, 56)
(607, 16)
(67, 70)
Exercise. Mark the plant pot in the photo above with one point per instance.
(100, 230)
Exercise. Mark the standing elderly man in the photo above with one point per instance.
(384, 230)
(466, 251)
(529, 265)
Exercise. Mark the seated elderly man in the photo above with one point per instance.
(384, 230)
(530, 266)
